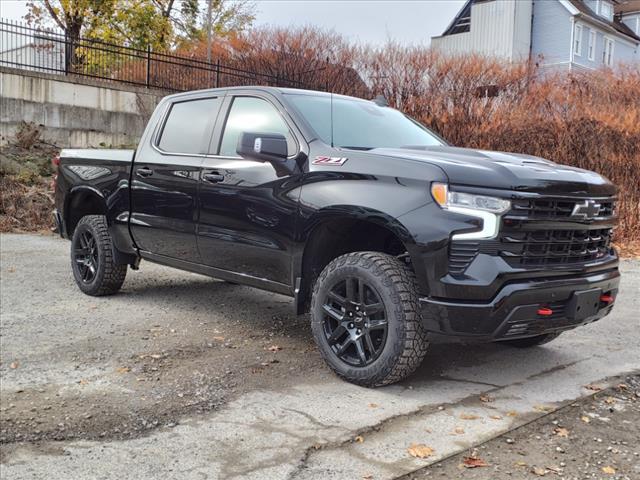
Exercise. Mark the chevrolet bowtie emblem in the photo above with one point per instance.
(586, 210)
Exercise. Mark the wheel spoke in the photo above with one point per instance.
(360, 291)
(82, 251)
(343, 348)
(360, 350)
(336, 335)
(374, 308)
(340, 300)
(369, 343)
(333, 313)
(377, 323)
(351, 289)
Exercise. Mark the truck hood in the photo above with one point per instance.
(506, 171)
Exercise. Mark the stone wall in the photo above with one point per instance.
(74, 112)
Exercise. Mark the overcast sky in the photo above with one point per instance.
(370, 21)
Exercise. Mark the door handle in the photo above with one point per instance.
(213, 177)
(144, 172)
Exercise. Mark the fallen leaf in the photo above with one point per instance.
(608, 470)
(155, 356)
(495, 417)
(543, 408)
(219, 339)
(585, 419)
(11, 269)
(373, 405)
(554, 469)
(541, 472)
(520, 463)
(359, 439)
(83, 382)
(561, 432)
(367, 476)
(274, 348)
(14, 365)
(474, 462)
(123, 369)
(609, 400)
(622, 386)
(512, 413)
(420, 450)
(486, 398)
(468, 416)
(591, 386)
(458, 431)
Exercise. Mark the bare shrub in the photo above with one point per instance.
(28, 135)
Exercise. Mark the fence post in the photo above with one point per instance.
(67, 53)
(148, 65)
(218, 72)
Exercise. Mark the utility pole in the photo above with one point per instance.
(209, 8)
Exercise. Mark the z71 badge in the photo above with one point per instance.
(333, 161)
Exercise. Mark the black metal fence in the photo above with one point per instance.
(51, 51)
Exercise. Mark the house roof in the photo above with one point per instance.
(627, 6)
(615, 26)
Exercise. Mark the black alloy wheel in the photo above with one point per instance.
(93, 262)
(85, 251)
(366, 318)
(355, 323)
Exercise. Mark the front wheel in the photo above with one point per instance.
(92, 262)
(365, 318)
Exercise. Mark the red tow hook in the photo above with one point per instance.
(545, 312)
(608, 299)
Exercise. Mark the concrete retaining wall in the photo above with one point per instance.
(73, 113)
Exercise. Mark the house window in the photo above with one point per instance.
(606, 10)
(577, 40)
(607, 52)
(592, 45)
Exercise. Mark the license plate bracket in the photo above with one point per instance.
(584, 304)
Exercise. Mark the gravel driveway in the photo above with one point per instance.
(182, 376)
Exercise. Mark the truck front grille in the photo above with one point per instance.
(553, 208)
(542, 232)
(554, 247)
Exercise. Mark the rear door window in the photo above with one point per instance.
(188, 126)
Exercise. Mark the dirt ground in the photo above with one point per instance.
(596, 437)
(107, 377)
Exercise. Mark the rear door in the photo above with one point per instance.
(247, 209)
(164, 183)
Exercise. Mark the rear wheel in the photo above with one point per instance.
(92, 262)
(532, 341)
(365, 318)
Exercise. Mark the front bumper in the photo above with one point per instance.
(513, 312)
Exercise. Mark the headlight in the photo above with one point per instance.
(448, 199)
(486, 208)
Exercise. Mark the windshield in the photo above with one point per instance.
(361, 124)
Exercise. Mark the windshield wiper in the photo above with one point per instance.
(356, 148)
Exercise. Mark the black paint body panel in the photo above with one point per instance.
(252, 224)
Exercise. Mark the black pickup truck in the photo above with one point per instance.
(370, 221)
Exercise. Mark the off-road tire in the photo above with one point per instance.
(532, 341)
(406, 341)
(109, 276)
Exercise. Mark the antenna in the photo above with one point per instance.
(331, 93)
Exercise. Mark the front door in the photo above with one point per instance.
(248, 210)
(164, 187)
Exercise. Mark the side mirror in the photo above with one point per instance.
(262, 147)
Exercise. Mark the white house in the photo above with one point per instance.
(572, 34)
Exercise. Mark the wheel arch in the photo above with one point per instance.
(81, 201)
(337, 230)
